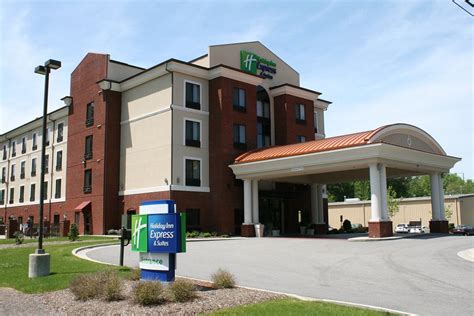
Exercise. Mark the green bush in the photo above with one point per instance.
(19, 237)
(135, 274)
(223, 279)
(206, 235)
(148, 293)
(193, 234)
(451, 226)
(73, 232)
(347, 226)
(104, 284)
(182, 290)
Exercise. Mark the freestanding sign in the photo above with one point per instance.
(158, 233)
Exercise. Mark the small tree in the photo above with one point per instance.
(392, 203)
(73, 233)
(448, 212)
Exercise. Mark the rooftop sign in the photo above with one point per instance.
(254, 64)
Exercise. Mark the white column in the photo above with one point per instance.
(435, 205)
(383, 191)
(255, 202)
(442, 215)
(320, 205)
(247, 201)
(314, 203)
(375, 198)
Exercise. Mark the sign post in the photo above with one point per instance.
(158, 234)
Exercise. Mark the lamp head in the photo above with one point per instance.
(41, 70)
(52, 64)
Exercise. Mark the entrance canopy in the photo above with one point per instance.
(404, 149)
(389, 151)
(82, 206)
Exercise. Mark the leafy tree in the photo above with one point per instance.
(448, 212)
(362, 190)
(454, 184)
(73, 233)
(392, 203)
(337, 192)
(419, 186)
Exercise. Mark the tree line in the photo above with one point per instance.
(404, 187)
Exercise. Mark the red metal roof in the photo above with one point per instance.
(331, 143)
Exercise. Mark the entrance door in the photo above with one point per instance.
(87, 223)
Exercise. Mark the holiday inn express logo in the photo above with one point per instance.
(140, 233)
(254, 64)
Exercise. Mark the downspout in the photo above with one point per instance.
(172, 126)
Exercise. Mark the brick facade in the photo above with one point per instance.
(380, 229)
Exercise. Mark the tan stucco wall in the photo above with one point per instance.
(410, 210)
(179, 90)
(203, 62)
(145, 153)
(230, 55)
(406, 141)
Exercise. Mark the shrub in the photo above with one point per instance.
(135, 274)
(223, 279)
(206, 235)
(346, 225)
(113, 232)
(73, 232)
(19, 237)
(103, 284)
(182, 290)
(113, 287)
(148, 293)
(193, 234)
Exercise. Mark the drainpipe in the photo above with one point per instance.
(172, 124)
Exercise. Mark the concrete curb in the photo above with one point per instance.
(86, 249)
(311, 299)
(406, 236)
(467, 254)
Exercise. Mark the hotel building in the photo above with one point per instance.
(231, 136)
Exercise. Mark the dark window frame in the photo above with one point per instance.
(193, 218)
(34, 140)
(300, 139)
(23, 145)
(190, 179)
(2, 196)
(60, 136)
(32, 192)
(22, 169)
(13, 148)
(59, 160)
(21, 195)
(57, 194)
(87, 181)
(46, 163)
(300, 115)
(192, 142)
(33, 166)
(189, 97)
(89, 142)
(12, 196)
(237, 100)
(237, 136)
(90, 114)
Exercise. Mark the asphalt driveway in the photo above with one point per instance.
(420, 275)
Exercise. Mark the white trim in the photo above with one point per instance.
(184, 130)
(162, 188)
(321, 105)
(184, 92)
(190, 70)
(185, 109)
(175, 187)
(147, 115)
(304, 94)
(184, 173)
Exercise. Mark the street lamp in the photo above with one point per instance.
(39, 264)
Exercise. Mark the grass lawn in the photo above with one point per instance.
(296, 307)
(28, 240)
(64, 267)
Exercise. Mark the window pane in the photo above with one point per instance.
(196, 169)
(196, 93)
(189, 92)
(242, 97)
(196, 131)
(242, 134)
(259, 109)
(266, 110)
(236, 96)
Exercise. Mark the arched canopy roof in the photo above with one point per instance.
(403, 135)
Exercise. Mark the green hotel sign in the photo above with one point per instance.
(140, 233)
(254, 64)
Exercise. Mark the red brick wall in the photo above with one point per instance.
(33, 210)
(129, 202)
(85, 90)
(286, 128)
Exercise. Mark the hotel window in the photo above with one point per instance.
(12, 195)
(12, 176)
(33, 167)
(90, 114)
(88, 148)
(316, 123)
(263, 135)
(4, 152)
(2, 196)
(46, 163)
(239, 99)
(77, 217)
(13, 148)
(263, 109)
(193, 134)
(60, 132)
(23, 145)
(4, 174)
(300, 139)
(193, 218)
(47, 137)
(45, 190)
(22, 194)
(32, 192)
(193, 96)
(193, 172)
(239, 136)
(34, 141)
(59, 160)
(22, 169)
(57, 189)
(88, 181)
(300, 114)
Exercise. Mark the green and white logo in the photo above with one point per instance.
(254, 64)
(140, 233)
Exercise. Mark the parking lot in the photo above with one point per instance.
(421, 275)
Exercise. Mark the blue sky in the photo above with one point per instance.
(379, 62)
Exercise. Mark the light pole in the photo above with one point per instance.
(39, 264)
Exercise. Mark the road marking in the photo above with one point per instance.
(467, 254)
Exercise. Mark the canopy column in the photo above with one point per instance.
(379, 224)
(438, 223)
